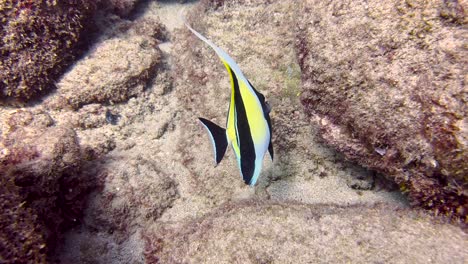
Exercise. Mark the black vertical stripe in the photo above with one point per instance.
(246, 145)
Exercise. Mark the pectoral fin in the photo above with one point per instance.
(218, 138)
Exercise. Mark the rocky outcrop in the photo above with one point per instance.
(267, 232)
(39, 40)
(42, 188)
(135, 192)
(385, 83)
(119, 67)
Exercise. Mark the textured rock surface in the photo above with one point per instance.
(127, 142)
(386, 84)
(115, 70)
(42, 186)
(135, 192)
(21, 235)
(39, 40)
(45, 173)
(265, 232)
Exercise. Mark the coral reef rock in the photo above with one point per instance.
(266, 232)
(116, 69)
(39, 40)
(386, 83)
(135, 192)
(42, 188)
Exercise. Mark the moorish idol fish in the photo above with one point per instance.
(248, 122)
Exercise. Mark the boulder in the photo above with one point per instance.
(42, 188)
(385, 83)
(120, 66)
(39, 40)
(281, 232)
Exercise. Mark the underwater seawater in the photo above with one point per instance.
(317, 158)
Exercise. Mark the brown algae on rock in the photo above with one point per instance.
(266, 232)
(384, 82)
(39, 40)
(130, 64)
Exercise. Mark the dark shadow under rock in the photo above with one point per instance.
(43, 189)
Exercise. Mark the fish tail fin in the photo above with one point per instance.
(218, 138)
